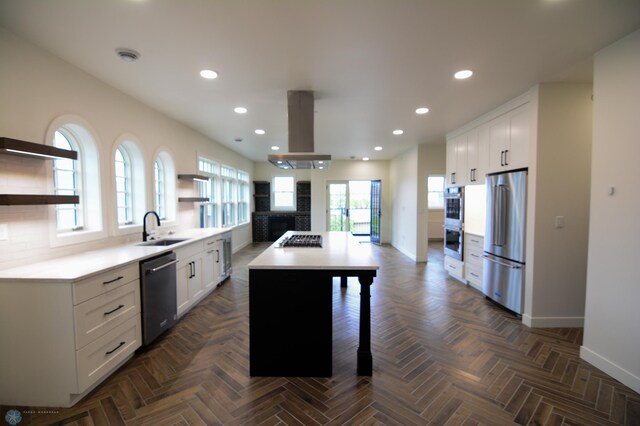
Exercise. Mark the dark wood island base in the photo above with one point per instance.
(290, 316)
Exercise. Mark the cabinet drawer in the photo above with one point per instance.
(453, 266)
(474, 257)
(104, 282)
(474, 241)
(474, 276)
(189, 250)
(103, 313)
(103, 354)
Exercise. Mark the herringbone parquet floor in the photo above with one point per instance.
(442, 355)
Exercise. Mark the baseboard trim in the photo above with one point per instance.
(411, 256)
(552, 322)
(612, 369)
(241, 246)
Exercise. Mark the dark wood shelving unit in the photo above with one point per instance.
(20, 148)
(35, 199)
(192, 199)
(30, 149)
(192, 177)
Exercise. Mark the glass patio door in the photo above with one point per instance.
(338, 212)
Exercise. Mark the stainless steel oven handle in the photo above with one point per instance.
(163, 266)
(512, 266)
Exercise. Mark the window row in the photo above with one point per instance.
(229, 188)
(228, 192)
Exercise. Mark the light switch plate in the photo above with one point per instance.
(559, 221)
(4, 232)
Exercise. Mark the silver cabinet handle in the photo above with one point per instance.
(151, 271)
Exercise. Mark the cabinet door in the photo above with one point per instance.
(498, 139)
(210, 269)
(472, 157)
(519, 133)
(482, 165)
(182, 283)
(461, 160)
(451, 161)
(196, 287)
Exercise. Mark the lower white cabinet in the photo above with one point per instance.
(454, 267)
(60, 339)
(474, 246)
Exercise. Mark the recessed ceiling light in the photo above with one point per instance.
(378, 148)
(320, 162)
(128, 55)
(275, 148)
(422, 110)
(208, 74)
(279, 161)
(365, 158)
(321, 168)
(259, 132)
(461, 75)
(240, 110)
(398, 132)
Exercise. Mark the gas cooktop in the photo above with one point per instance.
(302, 240)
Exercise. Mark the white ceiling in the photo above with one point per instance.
(371, 63)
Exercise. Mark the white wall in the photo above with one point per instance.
(559, 182)
(431, 161)
(612, 317)
(403, 173)
(339, 170)
(38, 87)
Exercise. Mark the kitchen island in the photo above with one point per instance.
(290, 305)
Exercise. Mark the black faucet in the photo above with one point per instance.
(144, 223)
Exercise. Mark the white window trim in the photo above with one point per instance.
(435, 209)
(278, 208)
(240, 200)
(92, 195)
(214, 180)
(233, 182)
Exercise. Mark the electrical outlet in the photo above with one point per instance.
(4, 232)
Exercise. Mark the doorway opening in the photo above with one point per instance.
(354, 206)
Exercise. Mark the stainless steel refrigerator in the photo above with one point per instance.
(504, 240)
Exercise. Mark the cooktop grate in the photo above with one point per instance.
(303, 240)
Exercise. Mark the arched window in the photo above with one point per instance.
(82, 222)
(129, 180)
(164, 186)
(124, 192)
(66, 181)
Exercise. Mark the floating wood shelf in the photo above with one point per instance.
(192, 199)
(30, 149)
(34, 199)
(193, 177)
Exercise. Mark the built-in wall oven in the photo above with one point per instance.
(453, 222)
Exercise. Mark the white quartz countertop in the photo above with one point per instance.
(83, 265)
(340, 250)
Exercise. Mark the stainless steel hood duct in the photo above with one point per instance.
(300, 155)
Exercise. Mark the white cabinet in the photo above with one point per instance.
(473, 260)
(477, 154)
(199, 271)
(63, 338)
(454, 267)
(457, 161)
(509, 140)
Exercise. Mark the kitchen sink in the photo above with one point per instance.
(163, 242)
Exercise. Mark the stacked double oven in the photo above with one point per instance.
(453, 222)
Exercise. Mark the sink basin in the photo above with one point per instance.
(164, 242)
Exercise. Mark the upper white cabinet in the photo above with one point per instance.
(509, 140)
(457, 161)
(497, 144)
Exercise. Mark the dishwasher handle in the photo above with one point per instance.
(156, 269)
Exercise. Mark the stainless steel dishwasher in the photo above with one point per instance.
(158, 292)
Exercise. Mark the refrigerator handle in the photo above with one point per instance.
(494, 260)
(500, 216)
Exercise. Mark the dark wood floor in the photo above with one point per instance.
(442, 355)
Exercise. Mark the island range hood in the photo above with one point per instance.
(300, 155)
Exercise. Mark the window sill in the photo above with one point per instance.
(69, 238)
